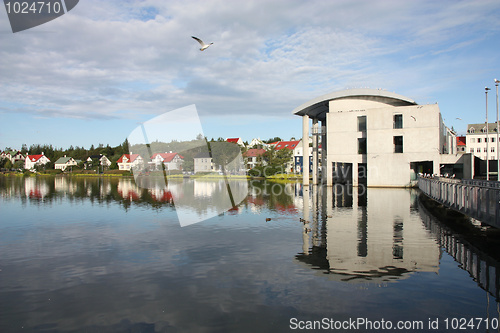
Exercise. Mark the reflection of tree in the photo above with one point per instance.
(276, 196)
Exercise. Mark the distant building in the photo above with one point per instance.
(477, 144)
(238, 141)
(13, 156)
(64, 162)
(33, 160)
(461, 144)
(130, 161)
(171, 161)
(254, 157)
(257, 143)
(203, 162)
(95, 160)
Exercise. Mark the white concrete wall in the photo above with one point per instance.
(422, 134)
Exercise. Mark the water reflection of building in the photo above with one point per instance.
(361, 234)
(129, 190)
(35, 189)
(205, 188)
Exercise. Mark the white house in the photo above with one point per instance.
(171, 161)
(13, 156)
(257, 143)
(33, 160)
(482, 143)
(203, 162)
(238, 141)
(129, 161)
(103, 160)
(63, 162)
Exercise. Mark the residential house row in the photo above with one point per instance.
(203, 162)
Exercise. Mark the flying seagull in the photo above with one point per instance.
(203, 45)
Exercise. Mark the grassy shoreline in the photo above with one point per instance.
(285, 178)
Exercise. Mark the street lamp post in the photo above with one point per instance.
(487, 160)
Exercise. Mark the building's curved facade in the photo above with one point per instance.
(377, 137)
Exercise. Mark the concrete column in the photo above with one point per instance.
(305, 152)
(315, 152)
(323, 152)
(355, 172)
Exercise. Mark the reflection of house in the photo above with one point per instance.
(254, 157)
(129, 161)
(171, 161)
(33, 160)
(204, 189)
(63, 162)
(35, 189)
(203, 162)
(128, 190)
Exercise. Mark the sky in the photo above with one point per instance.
(96, 73)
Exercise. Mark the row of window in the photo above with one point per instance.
(397, 142)
(478, 150)
(479, 140)
(397, 122)
(483, 130)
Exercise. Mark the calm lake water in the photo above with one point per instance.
(105, 255)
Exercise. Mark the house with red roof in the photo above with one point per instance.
(171, 161)
(13, 155)
(254, 157)
(33, 160)
(238, 141)
(295, 165)
(461, 144)
(129, 161)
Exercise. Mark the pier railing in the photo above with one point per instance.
(475, 198)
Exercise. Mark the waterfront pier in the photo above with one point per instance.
(479, 199)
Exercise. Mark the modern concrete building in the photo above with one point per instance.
(378, 138)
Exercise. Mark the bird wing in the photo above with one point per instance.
(199, 40)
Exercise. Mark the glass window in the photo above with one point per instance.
(398, 144)
(472, 150)
(361, 123)
(472, 140)
(492, 139)
(478, 150)
(478, 140)
(398, 121)
(361, 145)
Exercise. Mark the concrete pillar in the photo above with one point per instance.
(305, 150)
(315, 152)
(355, 171)
(323, 152)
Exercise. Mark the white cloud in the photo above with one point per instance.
(120, 58)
